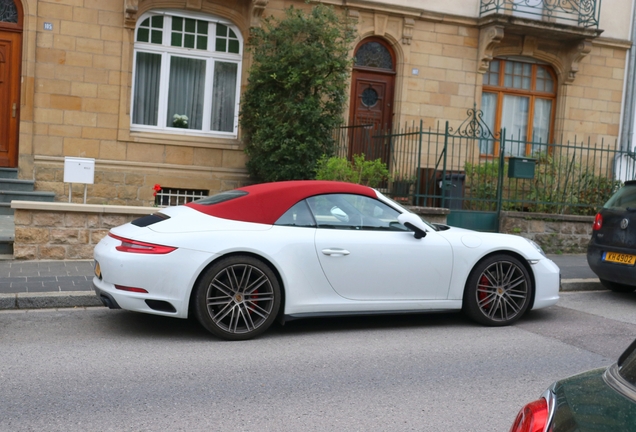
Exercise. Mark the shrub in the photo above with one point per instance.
(296, 92)
(368, 173)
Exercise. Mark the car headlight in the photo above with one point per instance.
(536, 246)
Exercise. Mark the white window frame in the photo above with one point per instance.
(210, 56)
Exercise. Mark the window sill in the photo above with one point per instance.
(177, 139)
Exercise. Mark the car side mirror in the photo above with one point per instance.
(339, 214)
(414, 223)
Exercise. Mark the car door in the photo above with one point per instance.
(367, 255)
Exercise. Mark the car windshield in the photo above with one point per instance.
(627, 364)
(402, 210)
(624, 198)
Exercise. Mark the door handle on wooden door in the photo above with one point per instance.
(14, 109)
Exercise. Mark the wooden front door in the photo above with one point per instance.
(371, 111)
(10, 48)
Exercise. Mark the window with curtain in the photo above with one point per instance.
(519, 97)
(186, 75)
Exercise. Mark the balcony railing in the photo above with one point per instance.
(583, 13)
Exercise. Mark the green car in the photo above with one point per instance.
(600, 400)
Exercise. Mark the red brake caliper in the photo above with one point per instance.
(481, 295)
(253, 297)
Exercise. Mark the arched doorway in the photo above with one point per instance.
(10, 61)
(372, 88)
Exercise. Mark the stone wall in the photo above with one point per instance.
(554, 233)
(58, 231)
(61, 231)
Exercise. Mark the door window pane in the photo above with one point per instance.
(185, 93)
(146, 97)
(492, 76)
(8, 11)
(224, 96)
(374, 54)
(541, 124)
(545, 83)
(518, 75)
(514, 118)
(489, 110)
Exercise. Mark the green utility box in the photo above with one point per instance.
(522, 168)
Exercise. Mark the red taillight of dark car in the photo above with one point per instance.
(532, 417)
(598, 222)
(134, 246)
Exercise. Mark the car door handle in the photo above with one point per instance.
(336, 252)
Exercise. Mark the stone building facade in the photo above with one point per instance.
(91, 78)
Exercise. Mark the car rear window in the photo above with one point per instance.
(221, 197)
(624, 198)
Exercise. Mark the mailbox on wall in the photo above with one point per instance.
(79, 170)
(522, 168)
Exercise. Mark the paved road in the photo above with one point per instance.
(97, 369)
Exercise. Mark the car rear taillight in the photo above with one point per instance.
(134, 246)
(532, 417)
(598, 222)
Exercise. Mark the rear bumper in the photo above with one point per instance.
(106, 299)
(619, 273)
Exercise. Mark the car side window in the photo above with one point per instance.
(298, 215)
(347, 211)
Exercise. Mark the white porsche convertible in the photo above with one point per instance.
(241, 259)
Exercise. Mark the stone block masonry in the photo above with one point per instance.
(556, 234)
(59, 231)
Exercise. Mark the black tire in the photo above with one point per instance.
(237, 298)
(498, 291)
(617, 287)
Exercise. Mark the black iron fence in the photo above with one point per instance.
(472, 169)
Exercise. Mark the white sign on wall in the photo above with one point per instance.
(79, 170)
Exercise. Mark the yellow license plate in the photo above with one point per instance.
(619, 258)
(98, 270)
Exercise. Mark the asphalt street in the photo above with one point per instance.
(93, 369)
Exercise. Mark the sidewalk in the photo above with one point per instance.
(63, 284)
(46, 284)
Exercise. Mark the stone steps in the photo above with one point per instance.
(14, 189)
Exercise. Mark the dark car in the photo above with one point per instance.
(611, 252)
(600, 400)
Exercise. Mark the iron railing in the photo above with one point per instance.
(583, 13)
(442, 167)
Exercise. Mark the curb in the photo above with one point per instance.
(72, 299)
(591, 284)
(54, 300)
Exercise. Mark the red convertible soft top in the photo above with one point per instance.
(265, 203)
